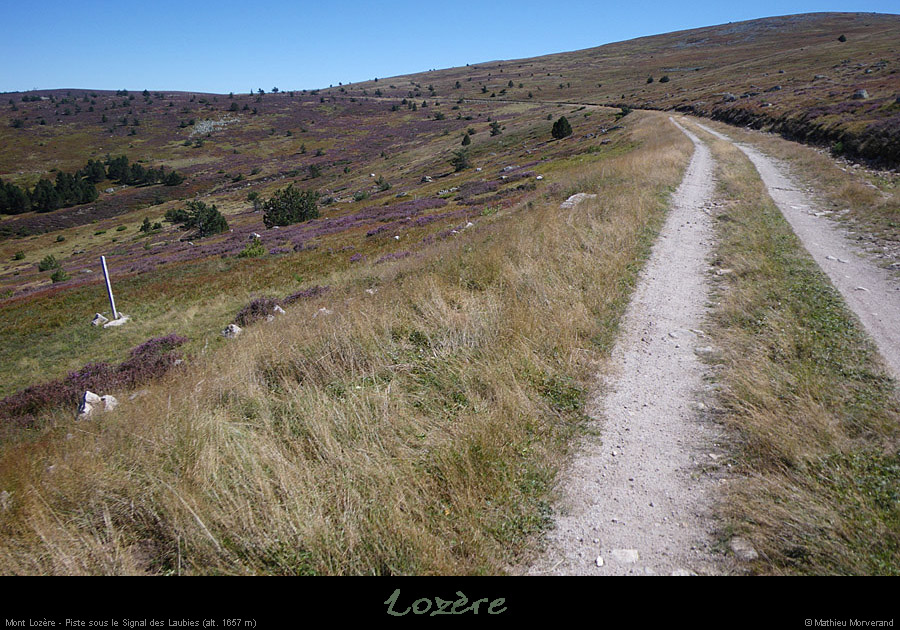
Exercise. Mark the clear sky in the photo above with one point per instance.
(228, 46)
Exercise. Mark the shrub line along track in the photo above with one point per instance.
(634, 502)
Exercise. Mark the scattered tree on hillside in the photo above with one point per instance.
(460, 160)
(495, 128)
(561, 128)
(289, 205)
(466, 141)
(206, 219)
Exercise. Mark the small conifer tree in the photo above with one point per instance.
(561, 128)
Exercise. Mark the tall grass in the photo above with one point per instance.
(417, 428)
(816, 419)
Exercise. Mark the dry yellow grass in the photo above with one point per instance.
(416, 429)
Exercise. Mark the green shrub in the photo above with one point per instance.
(59, 275)
(460, 160)
(561, 128)
(48, 263)
(254, 249)
(206, 219)
(19, 255)
(289, 205)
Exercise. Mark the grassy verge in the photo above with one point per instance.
(415, 426)
(817, 420)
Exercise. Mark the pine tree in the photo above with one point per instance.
(561, 128)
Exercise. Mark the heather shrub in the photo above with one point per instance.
(311, 292)
(257, 309)
(146, 362)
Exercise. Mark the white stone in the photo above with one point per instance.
(109, 402)
(626, 556)
(279, 310)
(539, 177)
(575, 199)
(91, 397)
(743, 549)
(599, 561)
(99, 320)
(5, 500)
(232, 331)
(123, 318)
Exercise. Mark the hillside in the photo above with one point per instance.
(446, 312)
(791, 74)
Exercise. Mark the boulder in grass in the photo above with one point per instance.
(232, 331)
(109, 402)
(123, 318)
(89, 402)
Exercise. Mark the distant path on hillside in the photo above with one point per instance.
(869, 291)
(635, 501)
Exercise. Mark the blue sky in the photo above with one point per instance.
(228, 46)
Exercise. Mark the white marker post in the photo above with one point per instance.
(112, 300)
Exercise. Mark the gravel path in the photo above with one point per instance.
(635, 501)
(869, 290)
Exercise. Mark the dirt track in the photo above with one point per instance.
(869, 291)
(634, 501)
